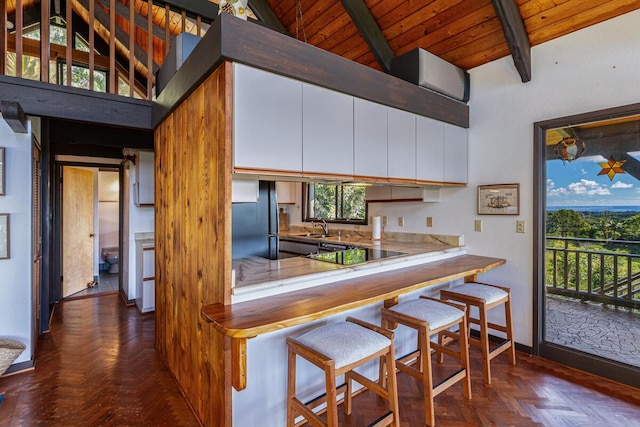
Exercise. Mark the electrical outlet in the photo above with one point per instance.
(520, 226)
(429, 221)
(384, 220)
(477, 226)
(400, 221)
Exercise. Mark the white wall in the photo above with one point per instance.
(108, 208)
(16, 294)
(588, 70)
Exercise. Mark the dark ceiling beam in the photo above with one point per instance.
(123, 11)
(516, 35)
(265, 14)
(103, 18)
(368, 27)
(14, 116)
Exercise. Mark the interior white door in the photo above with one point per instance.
(77, 229)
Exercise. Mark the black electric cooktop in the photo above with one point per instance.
(355, 256)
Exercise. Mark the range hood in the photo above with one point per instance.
(425, 69)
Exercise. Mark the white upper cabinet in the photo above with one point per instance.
(267, 120)
(370, 138)
(429, 150)
(456, 154)
(286, 193)
(327, 131)
(401, 144)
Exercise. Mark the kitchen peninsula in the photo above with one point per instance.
(195, 136)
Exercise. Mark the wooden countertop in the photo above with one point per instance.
(251, 318)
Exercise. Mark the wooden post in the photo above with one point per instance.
(45, 50)
(132, 40)
(113, 74)
(149, 49)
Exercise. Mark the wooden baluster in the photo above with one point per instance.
(149, 49)
(19, 38)
(92, 31)
(184, 21)
(45, 50)
(167, 28)
(113, 74)
(198, 25)
(132, 39)
(70, 39)
(3, 37)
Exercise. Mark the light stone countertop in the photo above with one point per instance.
(258, 277)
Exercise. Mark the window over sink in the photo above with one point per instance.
(335, 203)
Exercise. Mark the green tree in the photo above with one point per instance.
(567, 223)
(630, 228)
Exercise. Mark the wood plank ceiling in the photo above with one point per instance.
(467, 33)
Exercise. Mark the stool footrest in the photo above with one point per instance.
(384, 420)
(319, 400)
(503, 346)
(448, 382)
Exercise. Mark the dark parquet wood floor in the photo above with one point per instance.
(98, 367)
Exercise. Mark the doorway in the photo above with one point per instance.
(90, 229)
(587, 266)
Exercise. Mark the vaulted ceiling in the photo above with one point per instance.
(467, 33)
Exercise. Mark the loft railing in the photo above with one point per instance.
(114, 46)
(604, 271)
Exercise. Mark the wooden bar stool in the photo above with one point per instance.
(338, 349)
(432, 317)
(485, 297)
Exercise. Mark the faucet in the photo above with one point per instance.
(324, 226)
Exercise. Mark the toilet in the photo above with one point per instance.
(111, 255)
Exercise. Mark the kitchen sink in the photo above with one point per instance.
(310, 235)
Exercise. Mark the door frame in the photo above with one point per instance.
(55, 284)
(574, 358)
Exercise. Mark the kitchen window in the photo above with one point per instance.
(335, 203)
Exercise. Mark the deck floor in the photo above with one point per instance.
(590, 327)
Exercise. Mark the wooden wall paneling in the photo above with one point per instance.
(193, 235)
(44, 40)
(18, 38)
(113, 74)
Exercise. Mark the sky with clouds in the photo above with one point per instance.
(578, 184)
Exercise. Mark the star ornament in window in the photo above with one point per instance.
(611, 168)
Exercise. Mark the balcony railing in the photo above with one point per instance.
(114, 46)
(604, 271)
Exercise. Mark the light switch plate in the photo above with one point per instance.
(384, 220)
(429, 221)
(520, 226)
(477, 225)
(400, 221)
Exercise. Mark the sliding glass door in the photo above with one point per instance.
(588, 242)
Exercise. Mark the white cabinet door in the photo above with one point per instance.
(286, 193)
(267, 120)
(401, 144)
(429, 149)
(369, 138)
(327, 131)
(455, 154)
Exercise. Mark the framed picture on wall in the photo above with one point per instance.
(2, 171)
(499, 199)
(4, 236)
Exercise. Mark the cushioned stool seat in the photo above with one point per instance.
(338, 349)
(431, 317)
(485, 297)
